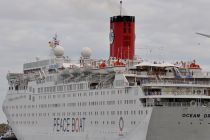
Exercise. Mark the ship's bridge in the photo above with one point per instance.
(37, 65)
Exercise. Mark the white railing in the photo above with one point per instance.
(177, 104)
(182, 81)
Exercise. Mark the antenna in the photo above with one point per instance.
(206, 35)
(56, 42)
(120, 7)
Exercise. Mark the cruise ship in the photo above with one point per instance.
(121, 98)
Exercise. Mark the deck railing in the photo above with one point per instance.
(181, 81)
(177, 104)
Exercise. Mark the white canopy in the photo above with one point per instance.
(67, 65)
(149, 64)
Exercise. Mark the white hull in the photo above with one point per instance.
(65, 122)
(131, 121)
(175, 123)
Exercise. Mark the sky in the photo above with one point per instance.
(165, 30)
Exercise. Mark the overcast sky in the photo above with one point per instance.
(165, 30)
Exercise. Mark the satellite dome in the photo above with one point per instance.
(58, 51)
(86, 52)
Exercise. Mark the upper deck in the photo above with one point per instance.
(60, 73)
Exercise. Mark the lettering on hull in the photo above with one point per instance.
(69, 125)
(196, 115)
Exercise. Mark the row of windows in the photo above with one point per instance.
(24, 122)
(91, 113)
(72, 87)
(109, 122)
(17, 98)
(18, 87)
(53, 89)
(84, 94)
(91, 122)
(73, 104)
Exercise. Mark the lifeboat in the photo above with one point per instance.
(102, 65)
(118, 64)
(194, 66)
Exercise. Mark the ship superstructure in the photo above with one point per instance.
(119, 98)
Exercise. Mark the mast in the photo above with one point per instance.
(121, 8)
